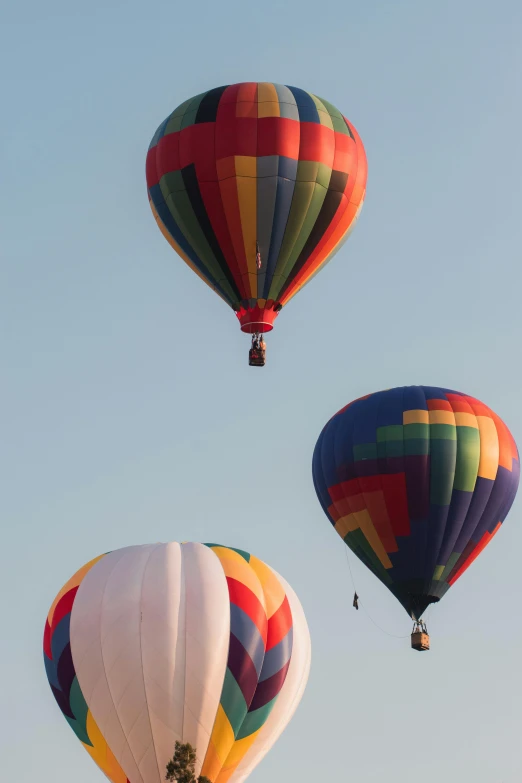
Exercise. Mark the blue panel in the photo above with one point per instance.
(277, 657)
(306, 105)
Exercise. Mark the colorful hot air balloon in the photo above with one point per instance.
(416, 481)
(256, 186)
(192, 642)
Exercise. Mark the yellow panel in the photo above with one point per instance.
(466, 420)
(442, 417)
(222, 737)
(366, 525)
(212, 764)
(272, 587)
(415, 417)
(346, 525)
(268, 109)
(102, 754)
(239, 749)
(236, 567)
(489, 448)
(266, 91)
(247, 195)
(246, 166)
(438, 573)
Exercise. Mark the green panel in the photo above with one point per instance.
(233, 702)
(180, 110)
(302, 198)
(79, 709)
(324, 175)
(324, 114)
(394, 448)
(443, 455)
(174, 124)
(182, 212)
(416, 447)
(446, 431)
(330, 108)
(171, 183)
(364, 451)
(255, 719)
(318, 197)
(416, 431)
(450, 565)
(468, 458)
(307, 171)
(189, 116)
(391, 432)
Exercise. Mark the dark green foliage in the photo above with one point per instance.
(180, 768)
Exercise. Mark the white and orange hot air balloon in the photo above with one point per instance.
(199, 643)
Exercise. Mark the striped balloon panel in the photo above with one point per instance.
(61, 673)
(416, 480)
(157, 643)
(256, 166)
(260, 649)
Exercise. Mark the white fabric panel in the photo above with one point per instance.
(149, 638)
(291, 692)
(207, 639)
(163, 650)
(94, 648)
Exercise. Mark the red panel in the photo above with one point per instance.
(235, 135)
(246, 105)
(230, 201)
(345, 154)
(63, 607)
(278, 136)
(47, 640)
(279, 625)
(211, 195)
(439, 405)
(150, 168)
(196, 145)
(167, 158)
(230, 95)
(317, 143)
(242, 596)
(459, 403)
(396, 497)
(247, 92)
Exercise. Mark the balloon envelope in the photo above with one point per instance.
(416, 480)
(198, 643)
(256, 186)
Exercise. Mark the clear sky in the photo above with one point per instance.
(131, 416)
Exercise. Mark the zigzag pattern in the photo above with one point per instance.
(64, 684)
(259, 656)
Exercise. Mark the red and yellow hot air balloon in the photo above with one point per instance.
(256, 186)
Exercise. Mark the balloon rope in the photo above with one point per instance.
(368, 615)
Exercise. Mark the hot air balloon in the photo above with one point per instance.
(198, 643)
(416, 480)
(256, 186)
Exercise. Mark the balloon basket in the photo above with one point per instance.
(420, 641)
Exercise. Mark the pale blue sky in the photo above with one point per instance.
(122, 424)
